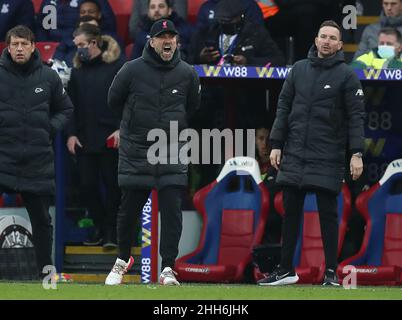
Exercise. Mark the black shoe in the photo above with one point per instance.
(279, 277)
(95, 239)
(330, 278)
(110, 241)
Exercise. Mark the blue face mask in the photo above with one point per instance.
(386, 52)
(83, 54)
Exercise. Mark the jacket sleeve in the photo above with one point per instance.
(108, 17)
(280, 128)
(61, 107)
(119, 90)
(193, 95)
(354, 103)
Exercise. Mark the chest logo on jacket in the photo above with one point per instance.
(38, 90)
(5, 8)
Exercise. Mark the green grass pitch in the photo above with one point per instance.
(79, 291)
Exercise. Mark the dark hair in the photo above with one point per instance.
(168, 3)
(20, 32)
(393, 32)
(92, 1)
(331, 23)
(91, 32)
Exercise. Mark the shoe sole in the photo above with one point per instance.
(110, 245)
(282, 282)
(331, 284)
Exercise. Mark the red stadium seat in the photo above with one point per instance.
(379, 260)
(122, 10)
(37, 4)
(234, 210)
(47, 49)
(193, 7)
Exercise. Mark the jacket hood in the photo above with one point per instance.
(394, 22)
(110, 52)
(325, 63)
(150, 56)
(7, 63)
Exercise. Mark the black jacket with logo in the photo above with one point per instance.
(149, 94)
(33, 106)
(320, 112)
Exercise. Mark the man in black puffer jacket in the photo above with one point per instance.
(33, 106)
(150, 93)
(320, 113)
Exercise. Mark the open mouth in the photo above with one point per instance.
(167, 49)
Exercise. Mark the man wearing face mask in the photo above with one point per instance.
(148, 93)
(95, 65)
(386, 56)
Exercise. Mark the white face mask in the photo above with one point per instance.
(386, 52)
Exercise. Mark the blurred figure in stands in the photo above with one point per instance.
(206, 13)
(386, 56)
(95, 65)
(14, 13)
(68, 13)
(391, 16)
(140, 9)
(158, 9)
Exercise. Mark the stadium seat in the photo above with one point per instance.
(37, 4)
(122, 10)
(309, 261)
(379, 260)
(234, 210)
(47, 49)
(193, 7)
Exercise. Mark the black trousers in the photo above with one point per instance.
(95, 170)
(132, 202)
(42, 229)
(293, 200)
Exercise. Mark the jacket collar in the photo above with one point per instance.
(150, 56)
(337, 58)
(7, 63)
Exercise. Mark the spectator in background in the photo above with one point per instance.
(141, 8)
(14, 13)
(158, 9)
(391, 16)
(386, 56)
(33, 107)
(95, 65)
(206, 13)
(68, 13)
(96, 22)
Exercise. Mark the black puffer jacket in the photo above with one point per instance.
(33, 106)
(93, 121)
(320, 112)
(148, 94)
